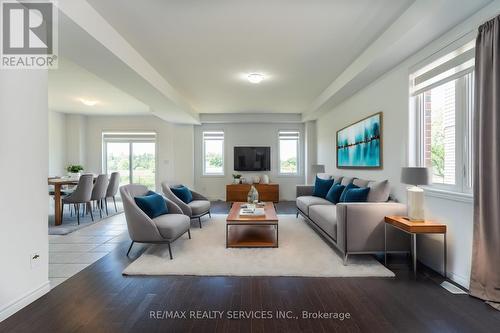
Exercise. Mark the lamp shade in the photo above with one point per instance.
(317, 168)
(416, 175)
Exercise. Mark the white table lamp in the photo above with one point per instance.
(416, 176)
(317, 168)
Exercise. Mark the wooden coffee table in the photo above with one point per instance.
(252, 231)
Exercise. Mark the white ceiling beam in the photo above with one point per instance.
(422, 22)
(87, 18)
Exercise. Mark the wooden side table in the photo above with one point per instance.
(414, 228)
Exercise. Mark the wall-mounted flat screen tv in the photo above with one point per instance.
(252, 158)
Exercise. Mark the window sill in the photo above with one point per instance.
(214, 175)
(449, 195)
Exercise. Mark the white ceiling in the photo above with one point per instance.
(203, 48)
(70, 82)
(184, 59)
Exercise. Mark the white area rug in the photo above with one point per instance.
(301, 252)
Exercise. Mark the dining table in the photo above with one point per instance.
(58, 183)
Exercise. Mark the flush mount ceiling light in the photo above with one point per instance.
(88, 102)
(255, 78)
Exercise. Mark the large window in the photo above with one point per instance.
(442, 93)
(133, 155)
(289, 152)
(213, 153)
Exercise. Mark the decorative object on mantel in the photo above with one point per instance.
(236, 178)
(265, 179)
(416, 176)
(256, 179)
(359, 146)
(74, 171)
(253, 195)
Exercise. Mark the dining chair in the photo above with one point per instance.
(114, 183)
(99, 192)
(81, 195)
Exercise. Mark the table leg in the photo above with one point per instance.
(57, 204)
(445, 255)
(414, 245)
(385, 244)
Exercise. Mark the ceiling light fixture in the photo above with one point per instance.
(255, 78)
(88, 102)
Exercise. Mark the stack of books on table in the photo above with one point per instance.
(252, 212)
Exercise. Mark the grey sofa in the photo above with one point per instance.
(142, 229)
(197, 208)
(354, 228)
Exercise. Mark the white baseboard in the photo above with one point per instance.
(24, 300)
(464, 282)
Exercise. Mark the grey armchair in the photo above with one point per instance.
(163, 229)
(197, 208)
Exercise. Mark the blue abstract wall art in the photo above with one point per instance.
(360, 145)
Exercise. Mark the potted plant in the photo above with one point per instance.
(236, 178)
(74, 171)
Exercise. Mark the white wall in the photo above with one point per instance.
(174, 144)
(246, 134)
(76, 139)
(389, 94)
(57, 143)
(24, 167)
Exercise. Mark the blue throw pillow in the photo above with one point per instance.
(183, 193)
(334, 193)
(344, 192)
(357, 194)
(152, 204)
(322, 186)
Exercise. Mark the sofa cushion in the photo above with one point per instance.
(379, 191)
(183, 193)
(334, 193)
(346, 181)
(172, 226)
(325, 216)
(152, 204)
(360, 182)
(321, 187)
(356, 195)
(303, 203)
(344, 192)
(199, 206)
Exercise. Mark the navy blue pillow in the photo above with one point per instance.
(152, 204)
(357, 194)
(334, 193)
(344, 193)
(322, 186)
(183, 193)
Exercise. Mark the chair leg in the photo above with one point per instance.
(345, 259)
(170, 251)
(78, 213)
(297, 215)
(99, 205)
(130, 248)
(114, 201)
(209, 214)
(189, 234)
(70, 211)
(91, 214)
(199, 220)
(62, 211)
(106, 205)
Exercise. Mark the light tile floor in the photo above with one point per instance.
(69, 254)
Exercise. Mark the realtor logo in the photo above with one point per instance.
(29, 34)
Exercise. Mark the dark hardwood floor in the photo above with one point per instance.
(100, 299)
